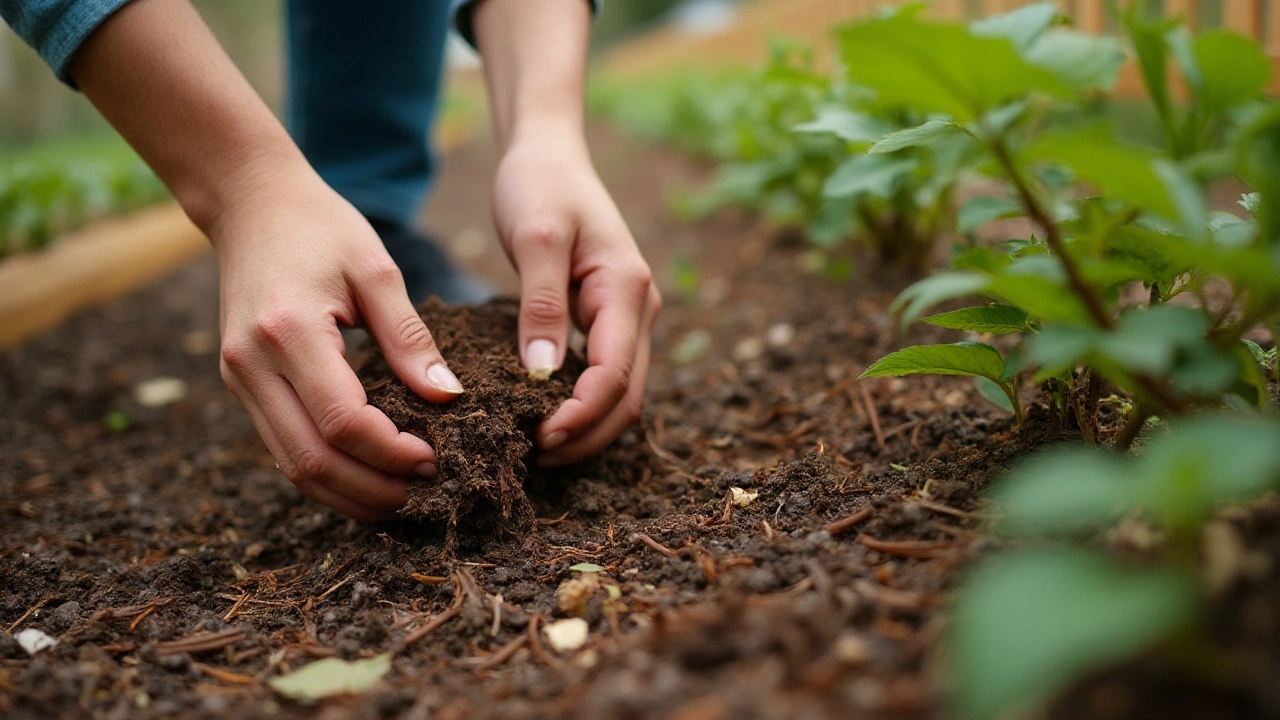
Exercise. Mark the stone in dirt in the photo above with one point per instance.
(484, 438)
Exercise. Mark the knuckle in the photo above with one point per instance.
(544, 306)
(235, 359)
(412, 332)
(540, 234)
(337, 425)
(305, 467)
(383, 273)
(276, 327)
(619, 380)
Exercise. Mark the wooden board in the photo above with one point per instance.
(40, 290)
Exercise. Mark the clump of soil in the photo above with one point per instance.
(483, 438)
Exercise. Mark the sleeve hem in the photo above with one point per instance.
(83, 19)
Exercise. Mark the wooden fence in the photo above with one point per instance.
(745, 41)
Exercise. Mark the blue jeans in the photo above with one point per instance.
(364, 86)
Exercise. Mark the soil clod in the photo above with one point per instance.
(483, 438)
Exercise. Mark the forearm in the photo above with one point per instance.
(157, 74)
(535, 54)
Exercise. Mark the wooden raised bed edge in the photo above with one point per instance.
(102, 261)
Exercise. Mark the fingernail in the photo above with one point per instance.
(440, 376)
(555, 440)
(426, 469)
(540, 357)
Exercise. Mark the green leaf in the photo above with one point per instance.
(996, 319)
(876, 175)
(850, 126)
(1022, 26)
(1146, 341)
(1134, 174)
(1251, 202)
(983, 209)
(1234, 70)
(963, 358)
(934, 289)
(938, 68)
(1152, 49)
(1205, 461)
(1082, 61)
(1258, 162)
(1064, 491)
(992, 393)
(332, 676)
(925, 134)
(586, 567)
(1026, 625)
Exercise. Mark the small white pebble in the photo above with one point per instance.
(33, 641)
(567, 635)
(159, 391)
(781, 335)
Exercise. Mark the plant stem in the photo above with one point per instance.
(1132, 428)
(1053, 238)
(1011, 391)
(1086, 292)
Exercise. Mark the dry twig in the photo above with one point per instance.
(838, 526)
(200, 642)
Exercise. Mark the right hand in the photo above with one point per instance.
(296, 260)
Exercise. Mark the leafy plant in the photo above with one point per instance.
(1028, 623)
(1108, 215)
(46, 191)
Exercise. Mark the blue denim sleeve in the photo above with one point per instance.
(56, 28)
(461, 14)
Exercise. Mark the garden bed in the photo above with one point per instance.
(128, 529)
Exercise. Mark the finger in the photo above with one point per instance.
(612, 340)
(320, 493)
(541, 254)
(624, 415)
(337, 404)
(305, 457)
(403, 336)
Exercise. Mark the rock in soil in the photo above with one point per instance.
(484, 438)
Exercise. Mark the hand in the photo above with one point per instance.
(297, 260)
(577, 262)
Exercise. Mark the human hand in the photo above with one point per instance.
(577, 262)
(296, 259)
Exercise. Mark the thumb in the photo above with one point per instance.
(404, 338)
(544, 302)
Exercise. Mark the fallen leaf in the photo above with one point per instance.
(567, 635)
(743, 498)
(332, 676)
(159, 391)
(33, 641)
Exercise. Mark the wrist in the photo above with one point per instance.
(559, 135)
(244, 179)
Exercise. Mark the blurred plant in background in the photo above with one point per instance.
(56, 187)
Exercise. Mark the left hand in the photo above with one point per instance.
(577, 263)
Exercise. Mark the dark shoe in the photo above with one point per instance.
(427, 270)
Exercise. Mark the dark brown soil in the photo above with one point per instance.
(482, 438)
(824, 597)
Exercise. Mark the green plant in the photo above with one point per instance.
(1108, 216)
(1028, 623)
(51, 189)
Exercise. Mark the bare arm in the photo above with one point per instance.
(295, 258)
(576, 258)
